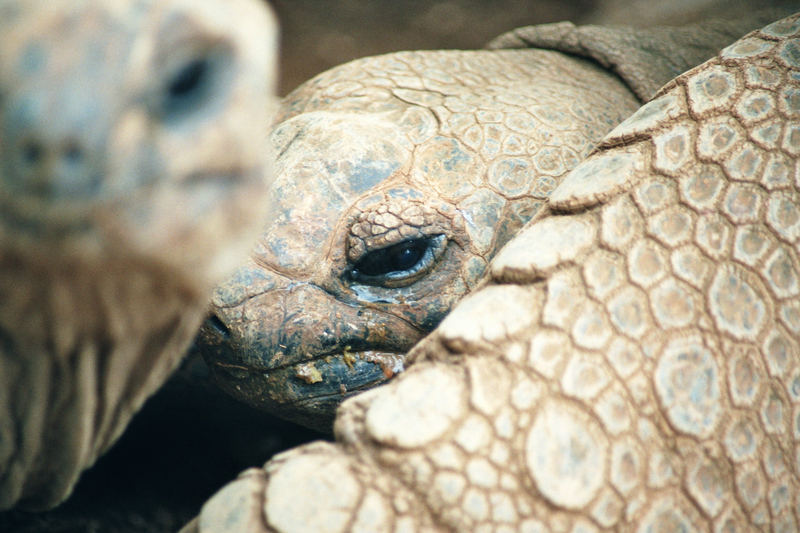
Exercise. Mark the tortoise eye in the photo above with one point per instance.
(393, 259)
(398, 264)
(198, 83)
(188, 80)
(188, 87)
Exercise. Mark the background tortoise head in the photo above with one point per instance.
(132, 171)
(397, 179)
(121, 127)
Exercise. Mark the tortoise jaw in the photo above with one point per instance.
(41, 219)
(308, 392)
(298, 349)
(390, 362)
(348, 370)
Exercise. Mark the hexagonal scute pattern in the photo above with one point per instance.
(649, 381)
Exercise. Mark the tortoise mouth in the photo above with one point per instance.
(351, 362)
(297, 352)
(390, 362)
(31, 216)
(323, 375)
(226, 177)
(75, 216)
(308, 392)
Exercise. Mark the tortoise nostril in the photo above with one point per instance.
(218, 326)
(32, 152)
(54, 171)
(73, 153)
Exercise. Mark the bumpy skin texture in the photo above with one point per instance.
(432, 160)
(451, 150)
(132, 166)
(635, 370)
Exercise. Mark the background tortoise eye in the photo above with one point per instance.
(195, 84)
(188, 80)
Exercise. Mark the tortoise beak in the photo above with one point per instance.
(297, 349)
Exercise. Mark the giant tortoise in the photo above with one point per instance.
(629, 364)
(398, 178)
(132, 179)
(89, 290)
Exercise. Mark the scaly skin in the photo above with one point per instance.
(631, 363)
(132, 171)
(448, 152)
(454, 150)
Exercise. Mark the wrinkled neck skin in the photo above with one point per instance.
(132, 179)
(448, 153)
(83, 343)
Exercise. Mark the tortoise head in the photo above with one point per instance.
(397, 179)
(132, 127)
(132, 168)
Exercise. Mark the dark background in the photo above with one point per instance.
(189, 440)
(318, 34)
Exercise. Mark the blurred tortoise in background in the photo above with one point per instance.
(398, 178)
(132, 171)
(629, 364)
